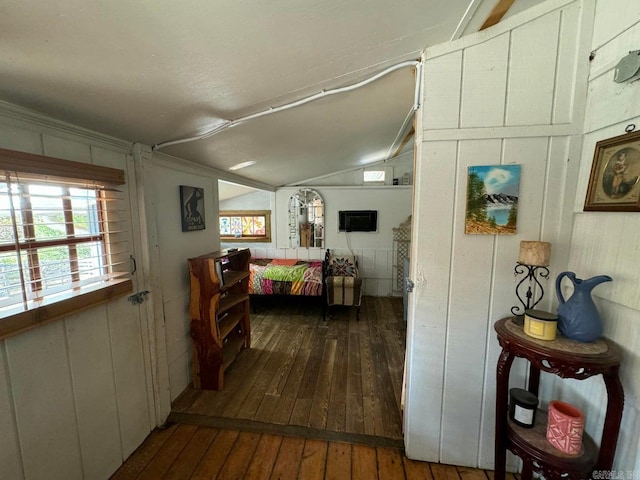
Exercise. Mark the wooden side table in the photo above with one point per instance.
(567, 359)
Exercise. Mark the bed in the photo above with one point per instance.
(286, 277)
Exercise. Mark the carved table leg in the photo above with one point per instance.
(502, 387)
(534, 379)
(615, 403)
(527, 471)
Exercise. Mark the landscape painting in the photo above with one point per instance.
(492, 199)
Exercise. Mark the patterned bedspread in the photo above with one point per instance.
(303, 278)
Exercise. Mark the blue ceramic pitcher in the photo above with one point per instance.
(578, 317)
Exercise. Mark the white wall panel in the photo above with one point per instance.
(532, 155)
(179, 344)
(125, 334)
(44, 403)
(382, 263)
(611, 104)
(464, 283)
(59, 147)
(174, 244)
(613, 18)
(484, 82)
(622, 98)
(179, 373)
(10, 457)
(471, 269)
(163, 179)
(63, 377)
(601, 253)
(20, 139)
(607, 55)
(566, 65)
(619, 323)
(384, 288)
(442, 91)
(178, 331)
(426, 333)
(559, 189)
(109, 158)
(532, 63)
(94, 392)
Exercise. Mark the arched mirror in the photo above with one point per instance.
(306, 219)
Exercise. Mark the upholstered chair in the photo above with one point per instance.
(343, 282)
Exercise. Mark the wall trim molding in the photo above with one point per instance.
(46, 124)
(481, 133)
(183, 165)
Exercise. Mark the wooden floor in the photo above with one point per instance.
(306, 376)
(197, 452)
(309, 400)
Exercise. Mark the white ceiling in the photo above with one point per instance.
(153, 71)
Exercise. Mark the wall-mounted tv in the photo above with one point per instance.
(357, 220)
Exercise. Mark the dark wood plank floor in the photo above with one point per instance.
(309, 376)
(309, 400)
(198, 452)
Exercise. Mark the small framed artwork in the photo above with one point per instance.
(492, 200)
(615, 173)
(192, 208)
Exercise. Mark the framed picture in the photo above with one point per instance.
(492, 199)
(613, 184)
(192, 208)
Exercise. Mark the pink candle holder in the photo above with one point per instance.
(565, 427)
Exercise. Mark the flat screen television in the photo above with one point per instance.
(357, 220)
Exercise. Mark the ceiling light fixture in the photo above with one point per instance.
(242, 165)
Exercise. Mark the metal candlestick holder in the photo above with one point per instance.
(532, 275)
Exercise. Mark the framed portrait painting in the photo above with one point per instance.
(192, 208)
(614, 184)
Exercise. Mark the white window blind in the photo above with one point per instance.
(58, 235)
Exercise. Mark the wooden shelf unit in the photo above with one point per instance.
(219, 310)
(567, 359)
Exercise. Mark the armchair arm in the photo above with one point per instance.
(344, 290)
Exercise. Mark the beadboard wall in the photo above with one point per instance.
(511, 94)
(170, 248)
(607, 242)
(76, 395)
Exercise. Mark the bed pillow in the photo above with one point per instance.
(284, 261)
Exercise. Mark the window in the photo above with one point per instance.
(245, 226)
(377, 176)
(62, 238)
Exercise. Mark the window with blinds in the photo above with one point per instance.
(61, 235)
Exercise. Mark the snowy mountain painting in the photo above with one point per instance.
(492, 199)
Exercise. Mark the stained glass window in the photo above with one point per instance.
(245, 226)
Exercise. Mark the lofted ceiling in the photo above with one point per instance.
(155, 71)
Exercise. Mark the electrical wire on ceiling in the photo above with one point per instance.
(324, 93)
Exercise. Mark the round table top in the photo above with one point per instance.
(601, 352)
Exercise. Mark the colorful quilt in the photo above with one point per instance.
(303, 278)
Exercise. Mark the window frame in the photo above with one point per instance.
(80, 296)
(247, 213)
